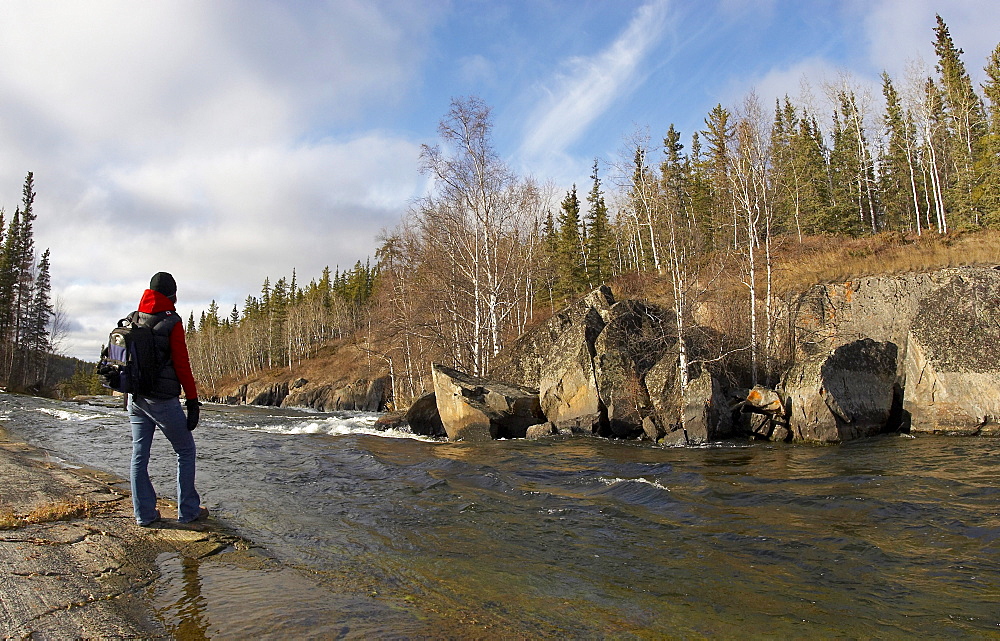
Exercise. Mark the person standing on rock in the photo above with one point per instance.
(161, 408)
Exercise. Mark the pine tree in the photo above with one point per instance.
(989, 163)
(718, 134)
(852, 173)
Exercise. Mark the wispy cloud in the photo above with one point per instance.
(588, 86)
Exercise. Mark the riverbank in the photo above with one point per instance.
(75, 563)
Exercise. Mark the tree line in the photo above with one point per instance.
(29, 327)
(282, 326)
(487, 252)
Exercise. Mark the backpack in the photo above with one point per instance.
(130, 363)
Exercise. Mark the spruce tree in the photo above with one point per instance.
(853, 209)
(718, 134)
(989, 163)
(569, 265)
(598, 234)
(965, 126)
(897, 170)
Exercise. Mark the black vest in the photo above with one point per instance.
(167, 384)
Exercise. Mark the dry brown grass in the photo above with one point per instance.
(8, 519)
(827, 259)
(57, 511)
(339, 361)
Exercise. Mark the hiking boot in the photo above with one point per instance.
(155, 520)
(202, 515)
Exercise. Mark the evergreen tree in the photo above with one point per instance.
(897, 166)
(965, 126)
(989, 164)
(598, 235)
(570, 277)
(718, 134)
(9, 276)
(852, 174)
(700, 191)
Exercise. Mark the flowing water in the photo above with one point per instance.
(389, 535)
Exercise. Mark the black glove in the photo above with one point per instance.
(194, 413)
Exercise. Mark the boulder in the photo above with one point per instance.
(541, 430)
(952, 364)
(707, 416)
(664, 390)
(763, 400)
(476, 409)
(946, 327)
(521, 362)
(395, 421)
(845, 395)
(632, 342)
(423, 417)
(567, 386)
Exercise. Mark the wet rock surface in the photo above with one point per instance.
(74, 562)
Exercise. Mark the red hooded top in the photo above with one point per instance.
(153, 302)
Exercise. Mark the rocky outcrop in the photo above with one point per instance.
(361, 395)
(919, 352)
(844, 395)
(268, 394)
(635, 340)
(522, 362)
(475, 409)
(952, 366)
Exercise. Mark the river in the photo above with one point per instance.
(391, 535)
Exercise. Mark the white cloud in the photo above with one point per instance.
(194, 138)
(590, 85)
(901, 31)
(222, 224)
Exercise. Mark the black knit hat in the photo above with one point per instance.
(164, 283)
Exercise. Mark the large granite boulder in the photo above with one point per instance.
(634, 339)
(952, 365)
(476, 409)
(946, 327)
(845, 395)
(567, 384)
(521, 362)
(707, 415)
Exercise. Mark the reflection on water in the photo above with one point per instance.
(890, 537)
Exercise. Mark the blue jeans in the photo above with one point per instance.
(146, 414)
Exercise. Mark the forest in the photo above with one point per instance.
(488, 253)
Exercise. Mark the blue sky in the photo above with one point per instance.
(227, 142)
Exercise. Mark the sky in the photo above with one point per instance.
(227, 142)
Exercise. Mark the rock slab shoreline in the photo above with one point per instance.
(86, 576)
